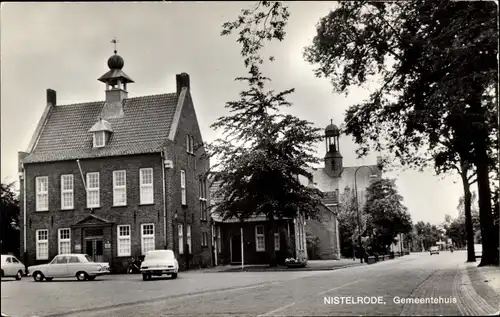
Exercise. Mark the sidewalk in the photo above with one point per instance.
(312, 265)
(486, 283)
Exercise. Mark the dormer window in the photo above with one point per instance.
(99, 139)
(101, 133)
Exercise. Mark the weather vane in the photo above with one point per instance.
(114, 41)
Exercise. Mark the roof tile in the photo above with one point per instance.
(143, 129)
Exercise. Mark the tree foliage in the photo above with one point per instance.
(349, 228)
(436, 66)
(386, 214)
(263, 150)
(9, 219)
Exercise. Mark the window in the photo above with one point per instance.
(219, 240)
(204, 239)
(93, 195)
(42, 244)
(67, 191)
(74, 259)
(276, 241)
(260, 242)
(8, 260)
(14, 260)
(99, 139)
(64, 241)
(119, 188)
(203, 199)
(42, 193)
(146, 184)
(181, 238)
(189, 144)
(183, 187)
(188, 238)
(124, 240)
(148, 237)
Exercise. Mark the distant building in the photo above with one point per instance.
(140, 159)
(332, 179)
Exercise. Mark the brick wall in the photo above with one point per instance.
(326, 231)
(194, 166)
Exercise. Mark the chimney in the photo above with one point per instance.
(182, 81)
(51, 97)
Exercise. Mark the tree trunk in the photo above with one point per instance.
(270, 243)
(489, 256)
(469, 230)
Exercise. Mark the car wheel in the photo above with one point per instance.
(82, 276)
(146, 276)
(19, 275)
(174, 275)
(91, 278)
(38, 276)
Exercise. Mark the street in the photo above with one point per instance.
(377, 289)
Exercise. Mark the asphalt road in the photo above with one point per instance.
(376, 289)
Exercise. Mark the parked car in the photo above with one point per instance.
(159, 262)
(11, 267)
(80, 266)
(478, 250)
(434, 250)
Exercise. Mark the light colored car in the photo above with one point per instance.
(159, 262)
(80, 266)
(434, 250)
(478, 250)
(11, 267)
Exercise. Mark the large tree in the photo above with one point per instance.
(436, 66)
(386, 215)
(351, 227)
(263, 150)
(9, 220)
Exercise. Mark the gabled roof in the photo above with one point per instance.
(144, 128)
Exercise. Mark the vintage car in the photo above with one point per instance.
(434, 250)
(80, 266)
(159, 262)
(11, 267)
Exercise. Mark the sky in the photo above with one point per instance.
(65, 47)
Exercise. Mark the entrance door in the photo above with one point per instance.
(94, 249)
(236, 248)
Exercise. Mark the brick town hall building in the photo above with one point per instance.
(116, 178)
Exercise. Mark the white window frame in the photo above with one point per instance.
(180, 235)
(260, 235)
(39, 241)
(149, 235)
(122, 239)
(96, 139)
(188, 143)
(277, 241)
(191, 141)
(203, 199)
(61, 240)
(117, 189)
(204, 239)
(219, 239)
(188, 238)
(68, 192)
(183, 188)
(42, 193)
(97, 203)
(142, 186)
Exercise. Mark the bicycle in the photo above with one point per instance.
(134, 267)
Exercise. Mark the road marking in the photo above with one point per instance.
(273, 312)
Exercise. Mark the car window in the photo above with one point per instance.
(89, 259)
(74, 259)
(61, 260)
(8, 260)
(14, 260)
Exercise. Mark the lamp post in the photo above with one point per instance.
(357, 205)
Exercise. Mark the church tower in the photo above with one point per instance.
(333, 158)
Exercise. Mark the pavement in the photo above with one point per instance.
(443, 284)
(312, 265)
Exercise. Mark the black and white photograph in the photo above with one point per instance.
(250, 158)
